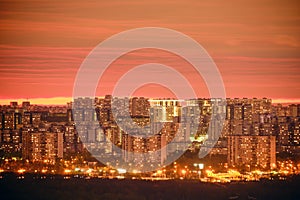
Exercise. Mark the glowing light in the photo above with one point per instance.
(77, 169)
(121, 171)
(200, 165)
(20, 171)
(135, 171)
(209, 172)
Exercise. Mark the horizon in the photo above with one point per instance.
(65, 100)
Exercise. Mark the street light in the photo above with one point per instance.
(200, 166)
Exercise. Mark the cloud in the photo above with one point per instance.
(255, 44)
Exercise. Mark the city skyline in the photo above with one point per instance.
(65, 100)
(254, 134)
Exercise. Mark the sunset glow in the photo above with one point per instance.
(255, 44)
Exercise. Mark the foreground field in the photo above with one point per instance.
(57, 188)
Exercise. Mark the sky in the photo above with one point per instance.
(255, 44)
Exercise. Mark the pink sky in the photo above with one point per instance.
(255, 44)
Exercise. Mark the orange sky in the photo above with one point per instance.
(255, 44)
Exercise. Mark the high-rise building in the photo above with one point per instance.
(25, 104)
(165, 110)
(135, 149)
(254, 151)
(9, 118)
(14, 104)
(293, 110)
(42, 145)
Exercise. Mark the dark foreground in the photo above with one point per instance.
(58, 188)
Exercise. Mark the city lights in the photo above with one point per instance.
(247, 141)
